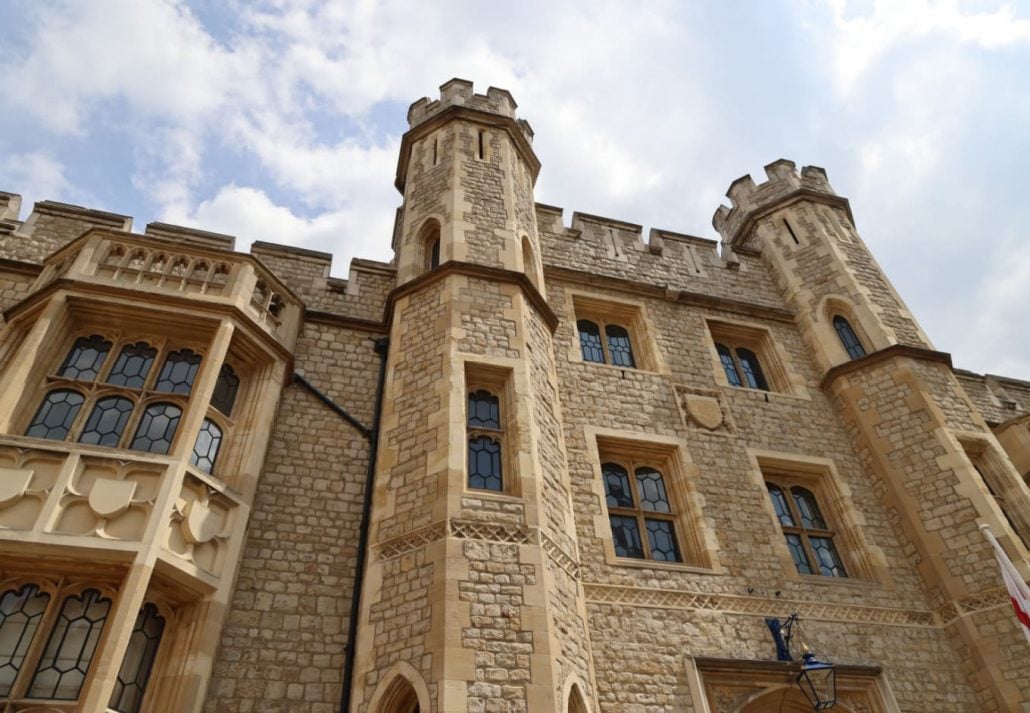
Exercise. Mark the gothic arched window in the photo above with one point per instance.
(848, 337)
(156, 429)
(69, 651)
(616, 348)
(131, 683)
(742, 367)
(21, 611)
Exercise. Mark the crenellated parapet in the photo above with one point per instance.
(459, 92)
(750, 200)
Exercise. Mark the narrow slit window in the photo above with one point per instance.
(791, 231)
(482, 145)
(485, 441)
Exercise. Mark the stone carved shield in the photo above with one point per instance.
(109, 498)
(704, 410)
(13, 484)
(200, 523)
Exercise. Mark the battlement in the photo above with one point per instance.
(459, 92)
(748, 198)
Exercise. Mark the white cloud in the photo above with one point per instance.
(36, 176)
(862, 40)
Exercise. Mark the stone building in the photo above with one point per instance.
(526, 466)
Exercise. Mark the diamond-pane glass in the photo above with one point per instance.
(84, 360)
(590, 341)
(626, 536)
(779, 501)
(178, 372)
(848, 337)
(205, 450)
(132, 365)
(107, 421)
(726, 359)
(752, 370)
(797, 553)
(484, 410)
(131, 683)
(157, 428)
(616, 486)
(829, 560)
(485, 464)
(55, 416)
(20, 614)
(69, 651)
(224, 396)
(619, 346)
(661, 536)
(808, 509)
(652, 491)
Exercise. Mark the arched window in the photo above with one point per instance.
(131, 683)
(55, 415)
(69, 651)
(576, 703)
(85, 358)
(742, 367)
(848, 337)
(21, 611)
(529, 265)
(132, 366)
(638, 507)
(205, 449)
(616, 348)
(156, 429)
(226, 387)
(429, 243)
(809, 537)
(485, 436)
(107, 421)
(178, 372)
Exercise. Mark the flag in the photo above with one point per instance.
(1019, 593)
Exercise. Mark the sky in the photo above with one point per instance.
(280, 120)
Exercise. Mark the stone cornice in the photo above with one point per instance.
(22, 268)
(454, 267)
(696, 299)
(894, 351)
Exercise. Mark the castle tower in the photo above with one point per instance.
(906, 412)
(470, 599)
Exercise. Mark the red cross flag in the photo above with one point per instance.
(1019, 593)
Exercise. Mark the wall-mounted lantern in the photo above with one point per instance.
(816, 679)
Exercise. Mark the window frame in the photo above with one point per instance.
(495, 380)
(97, 390)
(735, 337)
(605, 313)
(637, 511)
(787, 485)
(840, 323)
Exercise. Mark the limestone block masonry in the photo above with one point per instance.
(524, 467)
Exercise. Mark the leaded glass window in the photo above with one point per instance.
(434, 254)
(107, 421)
(132, 365)
(131, 683)
(639, 505)
(156, 428)
(85, 358)
(178, 372)
(20, 613)
(485, 436)
(69, 651)
(619, 346)
(226, 387)
(742, 367)
(55, 415)
(615, 348)
(590, 341)
(848, 337)
(205, 449)
(808, 536)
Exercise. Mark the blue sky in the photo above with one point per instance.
(280, 120)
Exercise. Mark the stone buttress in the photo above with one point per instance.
(471, 597)
(904, 409)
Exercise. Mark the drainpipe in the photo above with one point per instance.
(382, 346)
